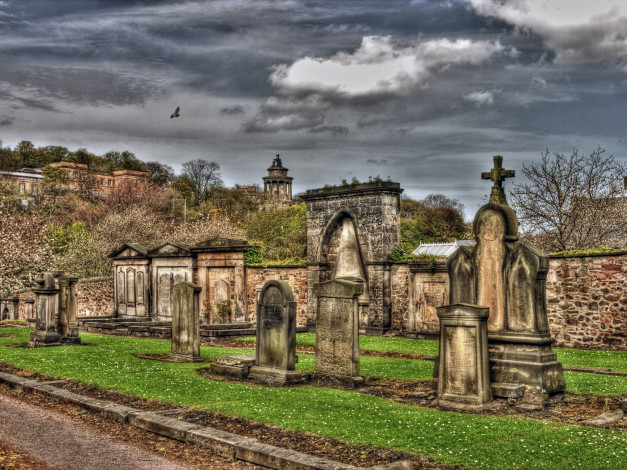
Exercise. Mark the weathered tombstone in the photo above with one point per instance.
(186, 322)
(47, 295)
(510, 279)
(68, 324)
(276, 337)
(464, 371)
(337, 332)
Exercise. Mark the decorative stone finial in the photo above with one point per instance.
(497, 175)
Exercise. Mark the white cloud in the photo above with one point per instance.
(375, 72)
(480, 98)
(577, 31)
(380, 67)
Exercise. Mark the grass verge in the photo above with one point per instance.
(470, 440)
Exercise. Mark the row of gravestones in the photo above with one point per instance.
(337, 338)
(494, 336)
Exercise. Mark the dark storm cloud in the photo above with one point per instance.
(333, 130)
(233, 110)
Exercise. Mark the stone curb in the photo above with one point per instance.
(224, 443)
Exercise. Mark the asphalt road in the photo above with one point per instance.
(59, 441)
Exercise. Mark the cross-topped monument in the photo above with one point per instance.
(498, 174)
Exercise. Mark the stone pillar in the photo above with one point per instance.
(464, 370)
(186, 322)
(337, 333)
(276, 336)
(47, 312)
(68, 324)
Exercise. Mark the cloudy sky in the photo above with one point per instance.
(425, 92)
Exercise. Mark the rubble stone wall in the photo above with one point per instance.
(587, 301)
(95, 296)
(295, 276)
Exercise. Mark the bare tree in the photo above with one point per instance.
(572, 202)
(200, 175)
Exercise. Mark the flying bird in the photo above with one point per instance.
(176, 113)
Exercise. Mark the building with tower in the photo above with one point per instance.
(277, 186)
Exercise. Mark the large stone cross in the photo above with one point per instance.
(497, 175)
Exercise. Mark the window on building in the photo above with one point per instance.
(110, 182)
(22, 188)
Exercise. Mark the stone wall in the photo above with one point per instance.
(587, 301)
(95, 296)
(295, 276)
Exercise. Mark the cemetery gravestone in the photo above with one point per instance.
(68, 324)
(510, 279)
(186, 322)
(47, 302)
(464, 372)
(337, 332)
(276, 337)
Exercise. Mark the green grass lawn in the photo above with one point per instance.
(470, 440)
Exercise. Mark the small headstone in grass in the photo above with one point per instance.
(276, 358)
(186, 322)
(47, 304)
(464, 370)
(337, 333)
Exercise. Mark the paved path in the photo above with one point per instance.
(63, 443)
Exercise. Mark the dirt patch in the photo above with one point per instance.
(3, 335)
(163, 358)
(14, 459)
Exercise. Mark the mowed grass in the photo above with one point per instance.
(470, 440)
(576, 382)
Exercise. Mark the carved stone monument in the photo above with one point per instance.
(276, 337)
(47, 294)
(337, 333)
(510, 279)
(68, 324)
(186, 322)
(464, 371)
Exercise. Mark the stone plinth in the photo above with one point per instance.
(186, 322)
(47, 302)
(464, 371)
(337, 332)
(276, 336)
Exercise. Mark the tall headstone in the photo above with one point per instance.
(510, 279)
(337, 332)
(276, 358)
(47, 305)
(186, 322)
(68, 324)
(464, 371)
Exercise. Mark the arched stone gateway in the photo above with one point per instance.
(351, 231)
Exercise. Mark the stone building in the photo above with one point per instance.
(28, 180)
(96, 182)
(351, 232)
(277, 186)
